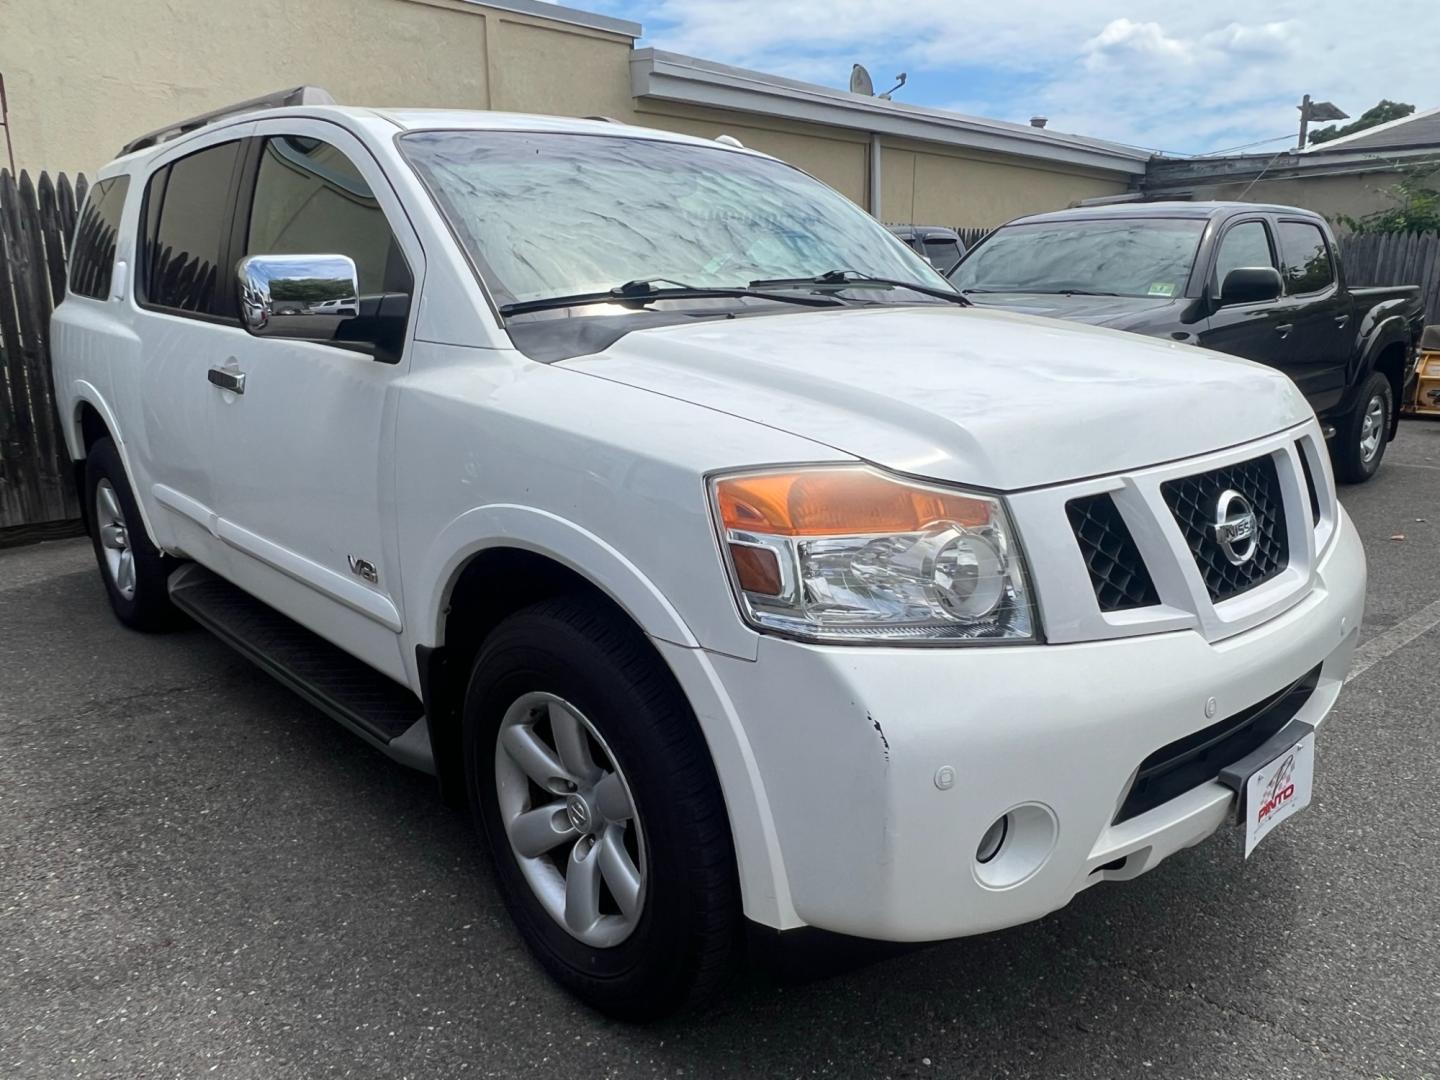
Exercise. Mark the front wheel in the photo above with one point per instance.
(589, 777)
(133, 569)
(1362, 434)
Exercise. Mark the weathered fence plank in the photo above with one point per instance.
(35, 225)
(1396, 259)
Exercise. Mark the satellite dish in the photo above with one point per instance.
(860, 81)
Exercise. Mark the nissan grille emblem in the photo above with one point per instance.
(1235, 527)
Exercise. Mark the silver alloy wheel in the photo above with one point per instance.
(115, 539)
(571, 820)
(1372, 428)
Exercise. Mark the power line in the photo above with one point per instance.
(1245, 146)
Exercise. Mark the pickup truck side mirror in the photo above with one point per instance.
(1250, 285)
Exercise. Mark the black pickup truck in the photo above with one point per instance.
(1262, 282)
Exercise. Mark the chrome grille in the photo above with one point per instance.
(1194, 500)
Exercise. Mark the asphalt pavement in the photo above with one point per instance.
(202, 876)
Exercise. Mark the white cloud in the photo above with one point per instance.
(1123, 43)
(1186, 77)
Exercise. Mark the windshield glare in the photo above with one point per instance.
(1132, 257)
(545, 215)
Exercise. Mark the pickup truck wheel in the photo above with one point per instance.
(133, 569)
(1361, 436)
(589, 777)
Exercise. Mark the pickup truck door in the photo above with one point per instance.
(302, 481)
(1254, 331)
(1318, 346)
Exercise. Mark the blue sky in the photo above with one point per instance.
(1191, 79)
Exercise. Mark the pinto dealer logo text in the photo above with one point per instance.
(1280, 790)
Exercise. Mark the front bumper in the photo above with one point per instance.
(882, 768)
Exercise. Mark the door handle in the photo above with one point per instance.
(1283, 329)
(234, 381)
(1342, 321)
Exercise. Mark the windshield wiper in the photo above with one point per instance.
(1067, 292)
(854, 278)
(639, 293)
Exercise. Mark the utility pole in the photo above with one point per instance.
(1316, 110)
(5, 123)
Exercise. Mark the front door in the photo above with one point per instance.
(1254, 331)
(303, 448)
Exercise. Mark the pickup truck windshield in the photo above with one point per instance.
(546, 215)
(1132, 257)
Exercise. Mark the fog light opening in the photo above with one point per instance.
(993, 840)
(1016, 846)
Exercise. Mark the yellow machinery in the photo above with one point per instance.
(1426, 399)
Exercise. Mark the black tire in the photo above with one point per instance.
(145, 606)
(688, 937)
(1352, 466)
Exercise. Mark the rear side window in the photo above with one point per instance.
(310, 199)
(187, 223)
(1307, 258)
(92, 259)
(1245, 246)
(942, 254)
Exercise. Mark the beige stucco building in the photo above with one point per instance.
(85, 76)
(1343, 179)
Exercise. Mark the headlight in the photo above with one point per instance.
(849, 554)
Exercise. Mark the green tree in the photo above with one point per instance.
(1416, 209)
(1382, 113)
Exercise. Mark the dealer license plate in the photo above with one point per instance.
(1278, 790)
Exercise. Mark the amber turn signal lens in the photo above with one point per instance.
(757, 569)
(828, 502)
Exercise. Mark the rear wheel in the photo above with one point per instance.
(589, 776)
(133, 569)
(1361, 435)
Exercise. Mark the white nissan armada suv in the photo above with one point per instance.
(691, 528)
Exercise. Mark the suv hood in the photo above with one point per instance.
(977, 397)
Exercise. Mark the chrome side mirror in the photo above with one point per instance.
(301, 297)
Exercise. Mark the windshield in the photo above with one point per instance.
(1131, 257)
(545, 215)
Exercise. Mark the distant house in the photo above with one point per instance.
(1346, 176)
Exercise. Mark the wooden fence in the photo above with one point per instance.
(1396, 259)
(36, 223)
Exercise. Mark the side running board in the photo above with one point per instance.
(378, 709)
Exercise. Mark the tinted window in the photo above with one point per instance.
(187, 219)
(92, 259)
(311, 200)
(1245, 245)
(943, 254)
(1307, 259)
(1120, 257)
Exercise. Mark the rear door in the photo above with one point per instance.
(1318, 345)
(1254, 331)
(303, 455)
(184, 319)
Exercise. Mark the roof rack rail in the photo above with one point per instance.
(295, 95)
